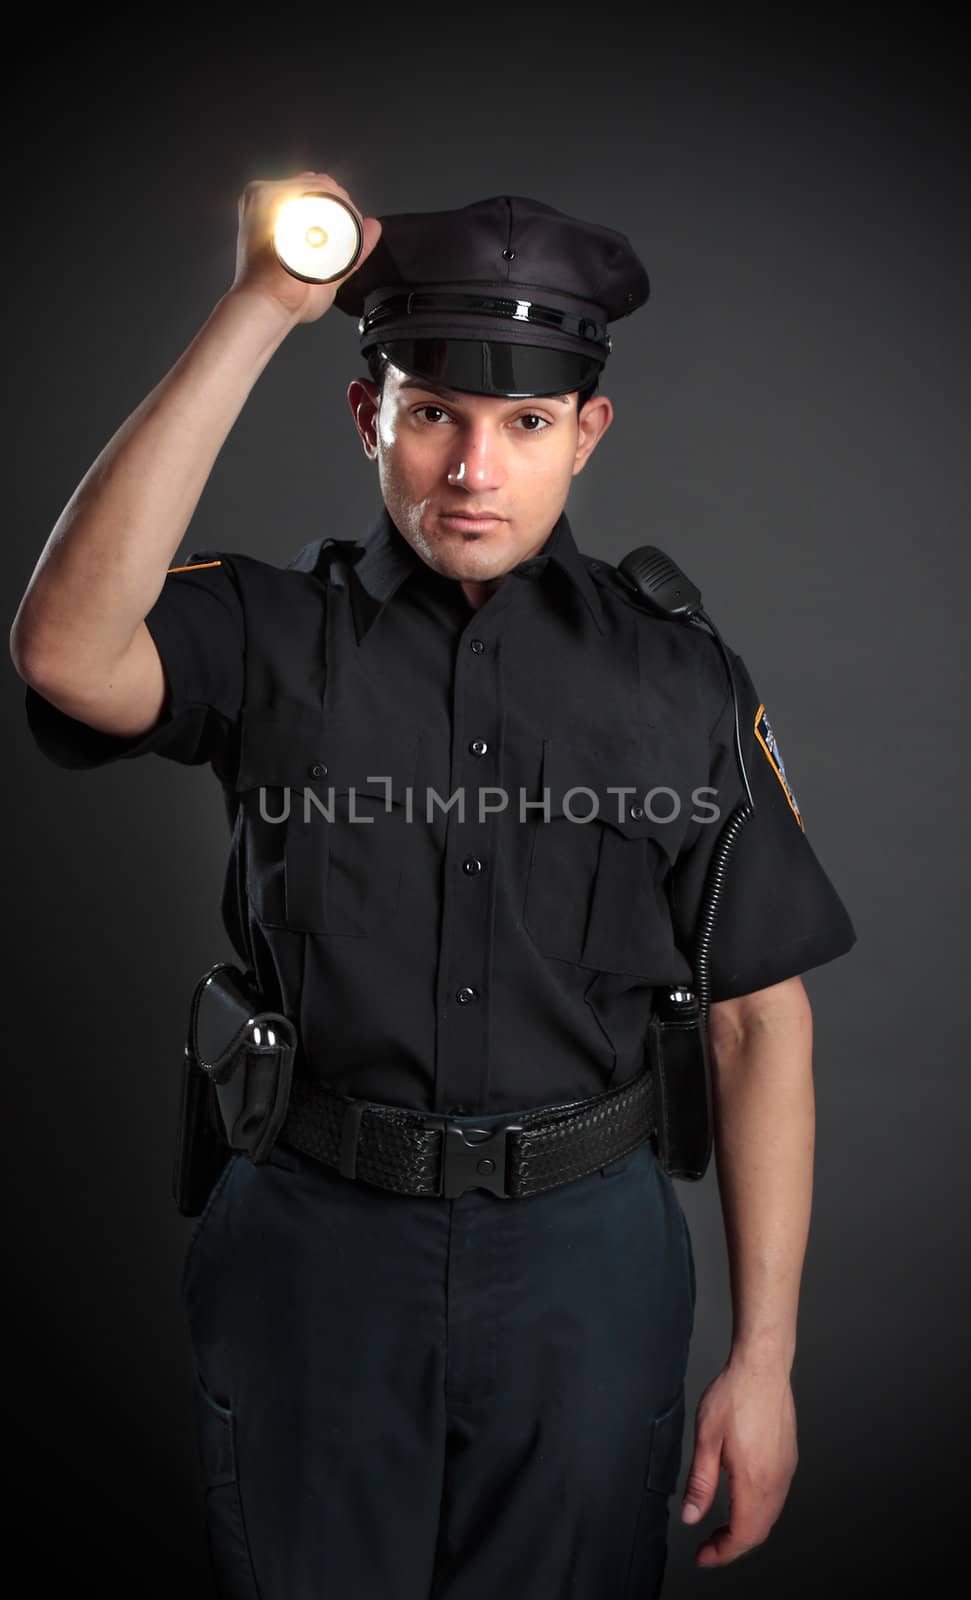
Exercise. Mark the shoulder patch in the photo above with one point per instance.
(770, 744)
(193, 566)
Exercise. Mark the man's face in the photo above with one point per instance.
(444, 455)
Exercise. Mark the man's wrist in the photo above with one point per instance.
(265, 310)
(764, 1351)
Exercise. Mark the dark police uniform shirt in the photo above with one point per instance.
(504, 957)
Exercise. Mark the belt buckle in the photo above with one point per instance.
(473, 1158)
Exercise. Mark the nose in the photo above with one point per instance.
(477, 464)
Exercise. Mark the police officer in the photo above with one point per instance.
(476, 787)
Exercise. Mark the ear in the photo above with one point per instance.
(363, 399)
(592, 424)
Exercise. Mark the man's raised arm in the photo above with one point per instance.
(79, 636)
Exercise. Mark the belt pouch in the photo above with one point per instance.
(678, 1052)
(247, 1053)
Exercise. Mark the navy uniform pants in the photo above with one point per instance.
(409, 1398)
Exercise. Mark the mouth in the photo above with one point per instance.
(480, 522)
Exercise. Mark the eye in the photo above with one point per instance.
(533, 416)
(429, 407)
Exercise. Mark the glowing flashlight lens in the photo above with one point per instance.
(317, 237)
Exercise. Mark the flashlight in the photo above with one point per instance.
(317, 236)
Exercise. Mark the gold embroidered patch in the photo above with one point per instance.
(770, 744)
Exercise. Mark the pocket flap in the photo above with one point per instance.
(639, 793)
(280, 748)
(299, 746)
(379, 762)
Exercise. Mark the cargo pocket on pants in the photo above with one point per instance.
(650, 1549)
(229, 1553)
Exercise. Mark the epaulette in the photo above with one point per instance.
(606, 576)
(604, 572)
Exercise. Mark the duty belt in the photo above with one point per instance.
(247, 1057)
(415, 1152)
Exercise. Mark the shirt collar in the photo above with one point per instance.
(387, 559)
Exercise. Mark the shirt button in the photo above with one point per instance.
(318, 770)
(463, 996)
(477, 645)
(458, 1111)
(636, 812)
(471, 864)
(478, 747)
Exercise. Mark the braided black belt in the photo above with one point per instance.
(414, 1152)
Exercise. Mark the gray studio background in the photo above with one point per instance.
(791, 425)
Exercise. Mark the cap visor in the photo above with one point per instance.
(488, 366)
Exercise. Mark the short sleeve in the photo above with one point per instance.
(778, 914)
(198, 627)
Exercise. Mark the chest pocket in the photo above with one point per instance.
(595, 890)
(326, 836)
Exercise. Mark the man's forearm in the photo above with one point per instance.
(104, 564)
(764, 1112)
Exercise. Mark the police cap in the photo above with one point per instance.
(505, 296)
